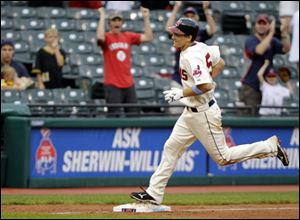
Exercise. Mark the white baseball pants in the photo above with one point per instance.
(207, 128)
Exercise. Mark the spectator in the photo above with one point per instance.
(286, 11)
(273, 92)
(7, 54)
(294, 53)
(85, 4)
(262, 45)
(49, 62)
(119, 5)
(203, 35)
(10, 79)
(115, 44)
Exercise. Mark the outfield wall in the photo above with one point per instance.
(43, 152)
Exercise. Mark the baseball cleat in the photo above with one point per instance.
(281, 154)
(143, 197)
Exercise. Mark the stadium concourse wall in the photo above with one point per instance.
(84, 152)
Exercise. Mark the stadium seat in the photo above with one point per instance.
(81, 14)
(29, 24)
(6, 24)
(87, 25)
(146, 49)
(61, 24)
(144, 83)
(22, 12)
(92, 59)
(90, 36)
(264, 7)
(146, 96)
(129, 26)
(10, 96)
(22, 47)
(51, 12)
(290, 107)
(91, 71)
(161, 83)
(39, 96)
(73, 95)
(157, 26)
(139, 60)
(32, 35)
(230, 72)
(136, 71)
(155, 60)
(11, 34)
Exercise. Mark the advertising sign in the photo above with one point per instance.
(107, 152)
(266, 166)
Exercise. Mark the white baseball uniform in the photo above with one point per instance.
(203, 122)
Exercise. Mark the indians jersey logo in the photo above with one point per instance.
(197, 72)
(45, 155)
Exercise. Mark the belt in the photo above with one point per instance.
(192, 109)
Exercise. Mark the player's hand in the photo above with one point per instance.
(172, 95)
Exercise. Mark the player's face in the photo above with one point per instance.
(116, 25)
(180, 41)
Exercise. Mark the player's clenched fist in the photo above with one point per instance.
(172, 95)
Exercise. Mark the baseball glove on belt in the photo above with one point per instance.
(284, 74)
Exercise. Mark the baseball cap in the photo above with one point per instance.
(263, 17)
(190, 10)
(185, 26)
(7, 42)
(271, 73)
(115, 14)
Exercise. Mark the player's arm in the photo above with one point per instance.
(101, 25)
(148, 34)
(197, 89)
(217, 69)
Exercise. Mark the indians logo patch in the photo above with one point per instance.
(45, 155)
(197, 72)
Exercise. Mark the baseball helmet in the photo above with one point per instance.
(185, 26)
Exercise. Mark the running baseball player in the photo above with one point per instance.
(201, 119)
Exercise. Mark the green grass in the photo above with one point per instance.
(229, 198)
(170, 199)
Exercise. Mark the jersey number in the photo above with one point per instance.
(184, 75)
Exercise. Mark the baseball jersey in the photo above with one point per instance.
(117, 58)
(196, 64)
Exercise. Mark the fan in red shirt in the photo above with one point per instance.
(116, 47)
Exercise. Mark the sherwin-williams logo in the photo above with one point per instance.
(45, 155)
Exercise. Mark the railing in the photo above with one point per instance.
(142, 110)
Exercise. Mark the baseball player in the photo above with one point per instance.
(201, 118)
